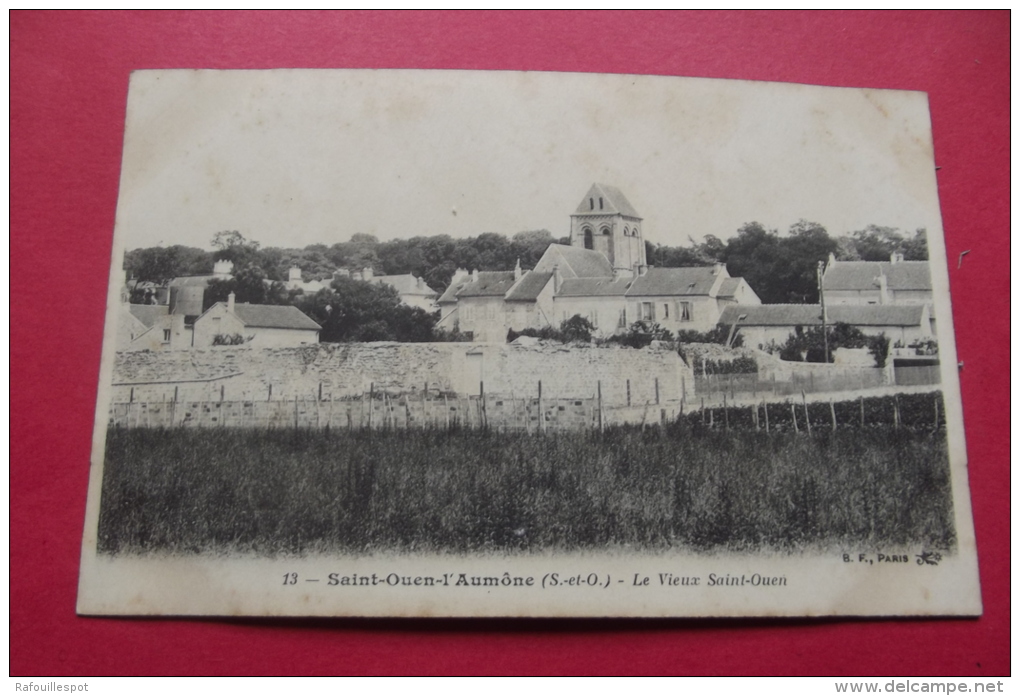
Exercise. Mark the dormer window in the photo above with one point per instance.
(591, 204)
(600, 202)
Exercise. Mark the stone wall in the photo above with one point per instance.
(328, 372)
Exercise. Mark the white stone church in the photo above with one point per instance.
(602, 275)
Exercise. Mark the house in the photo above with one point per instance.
(142, 326)
(295, 282)
(764, 325)
(413, 291)
(877, 282)
(601, 275)
(259, 325)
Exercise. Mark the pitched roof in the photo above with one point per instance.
(489, 283)
(811, 315)
(148, 314)
(862, 275)
(405, 284)
(729, 286)
(450, 294)
(612, 201)
(528, 288)
(594, 287)
(697, 280)
(877, 315)
(274, 317)
(575, 262)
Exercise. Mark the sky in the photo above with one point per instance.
(296, 157)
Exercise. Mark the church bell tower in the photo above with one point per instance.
(606, 222)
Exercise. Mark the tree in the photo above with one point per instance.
(354, 310)
(231, 246)
(754, 255)
(577, 329)
(807, 244)
(249, 285)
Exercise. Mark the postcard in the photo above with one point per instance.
(511, 344)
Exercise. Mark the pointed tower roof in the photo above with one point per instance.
(612, 202)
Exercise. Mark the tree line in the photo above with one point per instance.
(779, 267)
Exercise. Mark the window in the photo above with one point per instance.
(665, 310)
(685, 311)
(166, 335)
(622, 324)
(589, 243)
(600, 202)
(591, 204)
(647, 311)
(604, 230)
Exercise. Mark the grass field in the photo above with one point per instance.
(297, 491)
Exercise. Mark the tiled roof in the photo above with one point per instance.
(674, 281)
(148, 314)
(728, 287)
(528, 288)
(877, 315)
(594, 287)
(406, 284)
(274, 317)
(575, 262)
(613, 201)
(811, 315)
(862, 275)
(489, 283)
(450, 294)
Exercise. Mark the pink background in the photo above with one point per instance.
(69, 78)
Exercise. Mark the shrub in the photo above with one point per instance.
(230, 339)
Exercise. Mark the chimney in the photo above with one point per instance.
(474, 276)
(294, 275)
(896, 257)
(230, 302)
(341, 273)
(517, 270)
(223, 268)
(883, 289)
(458, 275)
(368, 273)
(642, 269)
(557, 278)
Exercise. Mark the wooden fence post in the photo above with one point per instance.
(371, 402)
(807, 415)
(725, 412)
(485, 411)
(832, 412)
(936, 412)
(628, 392)
(862, 410)
(765, 405)
(656, 391)
(602, 426)
(793, 415)
(541, 413)
(896, 412)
